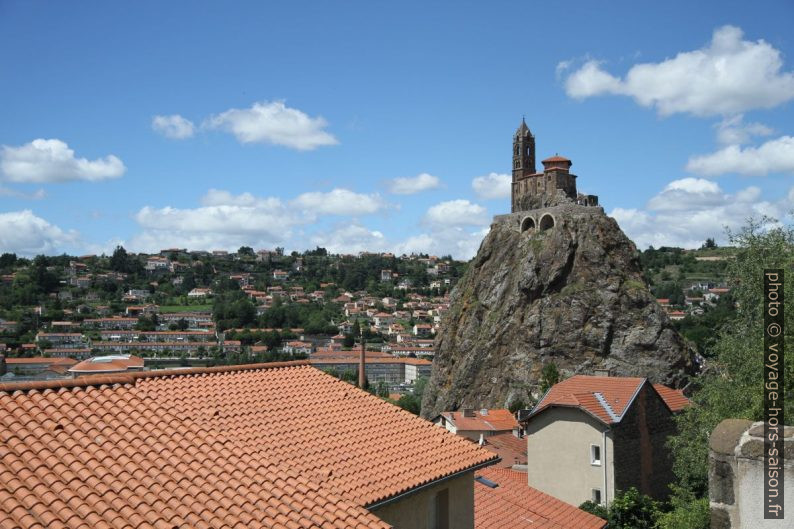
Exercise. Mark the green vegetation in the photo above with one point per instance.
(549, 376)
(732, 385)
(629, 510)
(413, 401)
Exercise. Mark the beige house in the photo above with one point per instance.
(589, 437)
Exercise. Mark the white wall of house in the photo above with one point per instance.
(559, 455)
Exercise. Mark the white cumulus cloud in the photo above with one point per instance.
(456, 241)
(42, 161)
(457, 213)
(492, 185)
(414, 184)
(728, 76)
(339, 202)
(733, 131)
(351, 239)
(266, 223)
(24, 233)
(174, 126)
(774, 156)
(273, 123)
(690, 210)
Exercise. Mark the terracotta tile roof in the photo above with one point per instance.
(514, 504)
(494, 420)
(41, 360)
(269, 445)
(674, 398)
(510, 448)
(606, 398)
(556, 158)
(108, 364)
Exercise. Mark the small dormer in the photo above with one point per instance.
(557, 162)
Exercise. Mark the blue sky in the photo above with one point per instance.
(382, 126)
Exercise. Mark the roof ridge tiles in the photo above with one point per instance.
(129, 378)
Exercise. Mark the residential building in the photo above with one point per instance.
(183, 448)
(590, 436)
(476, 424)
(298, 347)
(423, 330)
(37, 367)
(61, 340)
(110, 323)
(157, 263)
(379, 369)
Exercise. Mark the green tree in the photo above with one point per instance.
(7, 260)
(732, 385)
(632, 510)
(549, 376)
(686, 511)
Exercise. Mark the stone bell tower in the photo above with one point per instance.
(523, 158)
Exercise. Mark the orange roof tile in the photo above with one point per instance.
(63, 361)
(513, 503)
(494, 420)
(269, 445)
(108, 364)
(606, 398)
(556, 158)
(674, 398)
(511, 449)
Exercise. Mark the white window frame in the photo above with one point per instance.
(593, 493)
(593, 460)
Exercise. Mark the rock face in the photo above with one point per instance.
(572, 294)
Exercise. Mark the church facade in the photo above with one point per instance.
(531, 189)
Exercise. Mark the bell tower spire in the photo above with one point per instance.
(523, 162)
(523, 151)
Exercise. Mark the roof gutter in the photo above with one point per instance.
(420, 488)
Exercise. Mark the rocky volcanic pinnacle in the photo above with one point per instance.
(572, 294)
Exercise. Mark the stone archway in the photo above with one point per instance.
(528, 224)
(546, 222)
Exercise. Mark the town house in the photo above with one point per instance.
(590, 436)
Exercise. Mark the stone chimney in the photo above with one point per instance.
(602, 372)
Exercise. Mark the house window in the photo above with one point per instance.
(595, 455)
(597, 496)
(439, 510)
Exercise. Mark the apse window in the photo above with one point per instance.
(595, 455)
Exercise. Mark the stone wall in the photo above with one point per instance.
(642, 458)
(736, 472)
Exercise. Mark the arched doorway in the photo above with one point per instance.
(546, 222)
(528, 224)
